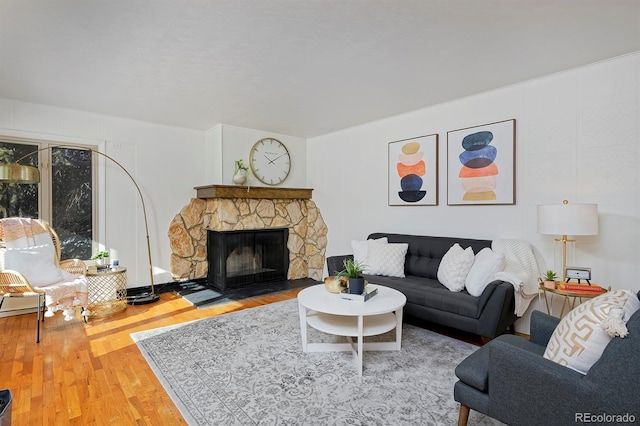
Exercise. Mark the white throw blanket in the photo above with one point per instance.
(521, 270)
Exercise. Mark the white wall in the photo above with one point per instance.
(167, 162)
(226, 144)
(577, 138)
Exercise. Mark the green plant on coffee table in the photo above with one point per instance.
(100, 255)
(550, 275)
(352, 269)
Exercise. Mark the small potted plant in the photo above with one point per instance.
(240, 172)
(353, 271)
(101, 257)
(550, 279)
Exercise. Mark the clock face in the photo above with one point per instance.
(270, 161)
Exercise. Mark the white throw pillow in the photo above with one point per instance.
(485, 266)
(455, 266)
(37, 264)
(580, 338)
(361, 248)
(386, 259)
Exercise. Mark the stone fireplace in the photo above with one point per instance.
(232, 208)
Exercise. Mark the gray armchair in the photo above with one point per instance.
(508, 379)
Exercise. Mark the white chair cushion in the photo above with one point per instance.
(485, 266)
(455, 266)
(386, 259)
(37, 264)
(580, 338)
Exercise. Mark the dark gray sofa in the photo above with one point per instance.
(510, 380)
(487, 316)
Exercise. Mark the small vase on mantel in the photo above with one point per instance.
(239, 178)
(240, 173)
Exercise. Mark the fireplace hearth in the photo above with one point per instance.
(242, 258)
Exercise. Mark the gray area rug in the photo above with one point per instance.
(248, 368)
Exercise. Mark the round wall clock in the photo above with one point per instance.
(270, 161)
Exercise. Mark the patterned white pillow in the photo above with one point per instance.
(361, 248)
(485, 266)
(454, 267)
(386, 259)
(580, 338)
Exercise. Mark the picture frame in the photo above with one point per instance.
(413, 171)
(481, 164)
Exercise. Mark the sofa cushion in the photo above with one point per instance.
(361, 249)
(485, 265)
(386, 259)
(431, 294)
(455, 266)
(581, 336)
(37, 264)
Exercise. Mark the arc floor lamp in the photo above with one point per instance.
(24, 174)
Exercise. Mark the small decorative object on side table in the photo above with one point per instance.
(569, 293)
(550, 279)
(101, 258)
(107, 291)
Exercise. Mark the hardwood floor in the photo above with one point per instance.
(94, 374)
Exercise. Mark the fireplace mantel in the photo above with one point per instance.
(256, 192)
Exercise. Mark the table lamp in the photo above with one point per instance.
(567, 219)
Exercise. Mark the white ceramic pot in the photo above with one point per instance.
(240, 178)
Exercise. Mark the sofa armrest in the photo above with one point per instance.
(542, 327)
(496, 309)
(335, 264)
(554, 393)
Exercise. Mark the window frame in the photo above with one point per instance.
(45, 190)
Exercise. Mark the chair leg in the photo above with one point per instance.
(84, 317)
(463, 418)
(40, 314)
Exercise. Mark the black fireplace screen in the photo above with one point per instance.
(242, 258)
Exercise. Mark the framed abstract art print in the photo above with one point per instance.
(481, 165)
(413, 171)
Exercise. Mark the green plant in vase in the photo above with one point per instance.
(353, 271)
(100, 256)
(240, 172)
(550, 279)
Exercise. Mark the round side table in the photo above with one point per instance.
(107, 291)
(568, 298)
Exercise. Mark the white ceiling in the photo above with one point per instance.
(297, 67)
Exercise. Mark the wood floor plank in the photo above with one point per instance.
(94, 374)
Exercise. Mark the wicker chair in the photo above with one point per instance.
(14, 283)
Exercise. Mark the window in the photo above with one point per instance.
(65, 197)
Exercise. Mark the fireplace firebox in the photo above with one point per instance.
(247, 257)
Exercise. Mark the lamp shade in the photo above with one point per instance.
(17, 173)
(568, 219)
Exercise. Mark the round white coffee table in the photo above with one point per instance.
(329, 313)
